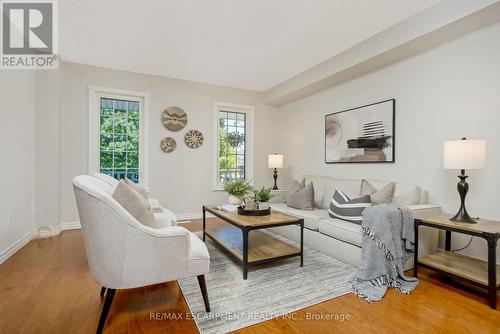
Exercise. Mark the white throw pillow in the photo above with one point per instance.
(292, 188)
(381, 196)
(349, 187)
(302, 199)
(137, 187)
(136, 204)
(405, 194)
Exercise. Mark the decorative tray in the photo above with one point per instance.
(244, 212)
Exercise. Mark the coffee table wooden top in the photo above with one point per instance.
(275, 218)
(482, 226)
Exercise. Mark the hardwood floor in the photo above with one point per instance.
(46, 288)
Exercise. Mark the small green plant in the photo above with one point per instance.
(237, 188)
(263, 195)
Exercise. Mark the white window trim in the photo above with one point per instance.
(95, 93)
(249, 140)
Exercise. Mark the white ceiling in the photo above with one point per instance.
(250, 44)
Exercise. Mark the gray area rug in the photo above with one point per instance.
(271, 290)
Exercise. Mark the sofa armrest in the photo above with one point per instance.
(424, 210)
(152, 256)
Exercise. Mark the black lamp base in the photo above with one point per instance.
(463, 217)
(275, 176)
(463, 187)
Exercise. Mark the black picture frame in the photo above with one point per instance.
(357, 108)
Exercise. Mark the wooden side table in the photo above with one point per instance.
(486, 274)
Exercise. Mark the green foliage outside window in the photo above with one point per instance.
(231, 158)
(119, 139)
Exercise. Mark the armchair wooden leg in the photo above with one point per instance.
(203, 287)
(105, 309)
(103, 291)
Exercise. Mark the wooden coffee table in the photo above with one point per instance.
(261, 247)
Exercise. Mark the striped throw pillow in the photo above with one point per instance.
(342, 207)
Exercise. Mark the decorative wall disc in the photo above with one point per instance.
(174, 119)
(168, 144)
(193, 138)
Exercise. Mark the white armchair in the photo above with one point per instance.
(164, 217)
(122, 253)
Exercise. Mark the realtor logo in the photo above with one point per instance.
(29, 39)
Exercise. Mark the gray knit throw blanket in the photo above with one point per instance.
(388, 242)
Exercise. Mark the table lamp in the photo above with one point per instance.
(464, 154)
(275, 161)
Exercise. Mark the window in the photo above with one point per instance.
(117, 133)
(119, 138)
(234, 157)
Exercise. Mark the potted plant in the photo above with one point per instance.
(263, 196)
(237, 190)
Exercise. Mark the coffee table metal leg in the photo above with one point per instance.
(245, 253)
(302, 242)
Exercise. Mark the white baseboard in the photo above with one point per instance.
(52, 231)
(16, 246)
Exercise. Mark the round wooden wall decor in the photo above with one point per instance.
(168, 144)
(174, 119)
(193, 138)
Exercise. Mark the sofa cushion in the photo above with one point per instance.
(302, 199)
(424, 197)
(351, 210)
(319, 183)
(405, 194)
(311, 218)
(378, 196)
(135, 204)
(137, 187)
(349, 187)
(292, 188)
(324, 188)
(341, 230)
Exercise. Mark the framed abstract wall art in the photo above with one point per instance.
(362, 134)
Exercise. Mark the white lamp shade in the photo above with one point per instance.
(464, 154)
(275, 161)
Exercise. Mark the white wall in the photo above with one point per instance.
(17, 159)
(446, 93)
(181, 180)
(47, 135)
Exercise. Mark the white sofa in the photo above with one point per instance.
(342, 239)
